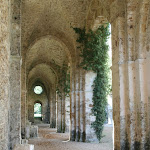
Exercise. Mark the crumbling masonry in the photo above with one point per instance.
(36, 37)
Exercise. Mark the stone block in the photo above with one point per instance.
(33, 131)
(24, 147)
(28, 132)
(24, 141)
(28, 123)
(89, 79)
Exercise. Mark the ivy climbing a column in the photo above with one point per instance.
(94, 53)
(63, 86)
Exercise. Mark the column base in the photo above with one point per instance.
(24, 147)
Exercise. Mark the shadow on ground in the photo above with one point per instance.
(50, 140)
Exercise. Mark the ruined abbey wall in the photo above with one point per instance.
(36, 38)
(4, 74)
(43, 100)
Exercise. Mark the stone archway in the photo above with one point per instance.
(22, 25)
(38, 117)
(129, 74)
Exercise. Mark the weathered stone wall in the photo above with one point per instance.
(130, 28)
(4, 73)
(81, 105)
(67, 114)
(23, 99)
(90, 118)
(129, 65)
(53, 108)
(130, 47)
(59, 110)
(78, 106)
(15, 74)
(38, 98)
(63, 114)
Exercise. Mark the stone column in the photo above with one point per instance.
(143, 130)
(23, 100)
(119, 84)
(63, 114)
(51, 107)
(15, 75)
(4, 73)
(130, 98)
(67, 114)
(47, 113)
(27, 104)
(77, 105)
(59, 115)
(82, 105)
(142, 102)
(54, 109)
(89, 117)
(131, 14)
(15, 101)
(72, 106)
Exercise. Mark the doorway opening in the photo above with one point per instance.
(37, 112)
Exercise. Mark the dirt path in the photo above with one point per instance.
(50, 140)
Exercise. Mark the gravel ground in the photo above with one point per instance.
(50, 140)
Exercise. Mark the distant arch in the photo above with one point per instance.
(38, 110)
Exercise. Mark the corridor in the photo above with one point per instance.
(55, 69)
(50, 140)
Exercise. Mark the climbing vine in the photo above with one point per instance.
(63, 86)
(94, 51)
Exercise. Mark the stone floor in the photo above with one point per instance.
(50, 140)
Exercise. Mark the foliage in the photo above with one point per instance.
(63, 86)
(94, 51)
(37, 108)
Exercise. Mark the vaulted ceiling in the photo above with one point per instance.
(47, 36)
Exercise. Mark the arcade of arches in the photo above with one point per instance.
(36, 38)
